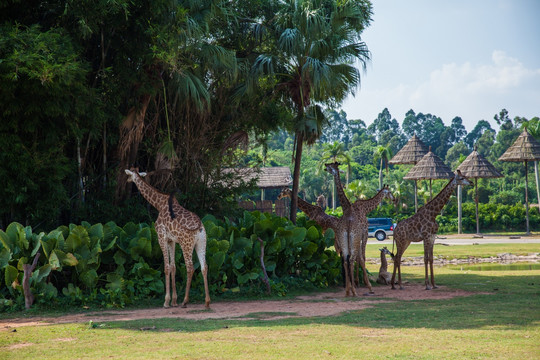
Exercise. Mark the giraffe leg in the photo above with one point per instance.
(200, 248)
(399, 275)
(426, 264)
(172, 271)
(351, 277)
(366, 278)
(393, 280)
(189, 275)
(162, 238)
(431, 267)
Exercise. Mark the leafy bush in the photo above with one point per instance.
(114, 266)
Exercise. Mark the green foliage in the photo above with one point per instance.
(113, 266)
(492, 217)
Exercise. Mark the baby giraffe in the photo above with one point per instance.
(384, 276)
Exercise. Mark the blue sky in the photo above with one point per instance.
(467, 58)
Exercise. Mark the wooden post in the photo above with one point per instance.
(459, 208)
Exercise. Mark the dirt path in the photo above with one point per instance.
(321, 304)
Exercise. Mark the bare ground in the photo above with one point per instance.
(320, 304)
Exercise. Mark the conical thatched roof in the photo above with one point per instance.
(429, 167)
(476, 166)
(525, 148)
(411, 153)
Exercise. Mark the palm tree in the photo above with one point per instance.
(384, 153)
(335, 153)
(313, 63)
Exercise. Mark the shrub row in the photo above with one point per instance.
(113, 266)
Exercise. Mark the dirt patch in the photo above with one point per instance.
(320, 304)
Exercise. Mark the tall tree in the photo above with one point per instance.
(312, 63)
(383, 154)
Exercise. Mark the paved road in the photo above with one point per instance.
(470, 240)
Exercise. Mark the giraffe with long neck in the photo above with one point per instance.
(423, 227)
(174, 225)
(346, 234)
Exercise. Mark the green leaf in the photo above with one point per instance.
(115, 281)
(54, 261)
(119, 258)
(312, 233)
(217, 260)
(89, 278)
(10, 275)
(5, 257)
(77, 237)
(43, 272)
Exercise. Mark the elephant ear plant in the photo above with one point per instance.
(19, 248)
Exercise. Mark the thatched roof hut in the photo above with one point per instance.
(413, 151)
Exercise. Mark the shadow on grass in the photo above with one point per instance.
(502, 302)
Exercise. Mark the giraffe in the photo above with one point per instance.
(423, 227)
(361, 208)
(175, 224)
(315, 213)
(357, 223)
(384, 276)
(347, 232)
(364, 207)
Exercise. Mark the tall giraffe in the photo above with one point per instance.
(347, 232)
(423, 227)
(315, 213)
(175, 225)
(357, 224)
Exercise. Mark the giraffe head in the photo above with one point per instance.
(286, 192)
(385, 251)
(131, 173)
(333, 168)
(387, 193)
(460, 179)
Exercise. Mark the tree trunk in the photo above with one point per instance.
(28, 269)
(381, 175)
(296, 175)
(459, 208)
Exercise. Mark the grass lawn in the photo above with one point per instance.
(500, 321)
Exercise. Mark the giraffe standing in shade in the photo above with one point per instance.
(175, 225)
(347, 233)
(423, 227)
(315, 213)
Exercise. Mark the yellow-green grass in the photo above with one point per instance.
(500, 321)
(458, 251)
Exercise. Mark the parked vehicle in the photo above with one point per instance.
(380, 228)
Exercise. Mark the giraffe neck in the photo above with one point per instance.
(156, 198)
(370, 204)
(343, 200)
(434, 207)
(307, 208)
(384, 263)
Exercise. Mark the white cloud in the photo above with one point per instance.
(472, 91)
